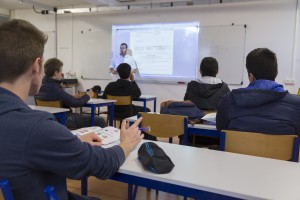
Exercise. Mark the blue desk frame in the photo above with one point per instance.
(98, 105)
(145, 99)
(62, 116)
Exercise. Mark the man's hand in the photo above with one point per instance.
(92, 139)
(113, 71)
(131, 76)
(130, 137)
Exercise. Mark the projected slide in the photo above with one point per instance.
(165, 52)
(153, 51)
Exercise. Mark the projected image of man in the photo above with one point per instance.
(122, 57)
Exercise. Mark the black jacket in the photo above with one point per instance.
(205, 96)
(51, 90)
(257, 110)
(122, 87)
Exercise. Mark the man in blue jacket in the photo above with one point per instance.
(264, 106)
(35, 150)
(51, 90)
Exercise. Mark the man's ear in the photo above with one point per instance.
(251, 77)
(37, 65)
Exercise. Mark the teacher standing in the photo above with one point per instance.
(122, 57)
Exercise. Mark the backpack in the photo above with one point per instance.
(185, 108)
(154, 158)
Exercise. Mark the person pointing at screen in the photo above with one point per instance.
(122, 57)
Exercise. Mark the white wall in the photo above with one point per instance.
(270, 24)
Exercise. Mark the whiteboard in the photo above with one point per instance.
(227, 45)
(95, 52)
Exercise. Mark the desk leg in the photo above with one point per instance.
(111, 115)
(93, 115)
(154, 105)
(84, 186)
(63, 118)
(145, 106)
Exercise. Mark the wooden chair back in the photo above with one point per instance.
(164, 126)
(282, 147)
(56, 104)
(298, 93)
(121, 100)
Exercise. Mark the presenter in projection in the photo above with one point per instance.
(122, 57)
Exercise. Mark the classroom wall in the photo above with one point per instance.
(270, 24)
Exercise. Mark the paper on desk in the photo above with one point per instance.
(210, 118)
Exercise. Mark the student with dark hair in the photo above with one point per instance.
(207, 92)
(36, 150)
(51, 90)
(125, 86)
(264, 106)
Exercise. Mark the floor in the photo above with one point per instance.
(113, 190)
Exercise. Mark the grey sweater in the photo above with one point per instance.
(36, 151)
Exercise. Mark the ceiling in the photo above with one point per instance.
(27, 4)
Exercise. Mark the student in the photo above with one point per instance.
(51, 90)
(125, 86)
(207, 92)
(264, 106)
(122, 57)
(35, 150)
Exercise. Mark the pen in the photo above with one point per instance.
(147, 128)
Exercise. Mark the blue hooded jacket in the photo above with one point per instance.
(262, 107)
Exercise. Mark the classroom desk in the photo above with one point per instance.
(97, 103)
(205, 174)
(57, 112)
(145, 98)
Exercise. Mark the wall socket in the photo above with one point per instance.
(289, 82)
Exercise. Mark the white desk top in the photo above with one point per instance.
(235, 175)
(49, 109)
(97, 101)
(144, 96)
(199, 126)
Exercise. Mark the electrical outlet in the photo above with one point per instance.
(289, 82)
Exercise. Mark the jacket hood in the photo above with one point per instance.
(10, 102)
(255, 97)
(203, 89)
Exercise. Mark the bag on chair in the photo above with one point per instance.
(185, 108)
(154, 158)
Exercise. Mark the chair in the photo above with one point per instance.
(163, 126)
(298, 93)
(7, 194)
(56, 104)
(50, 194)
(6, 191)
(121, 101)
(282, 147)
